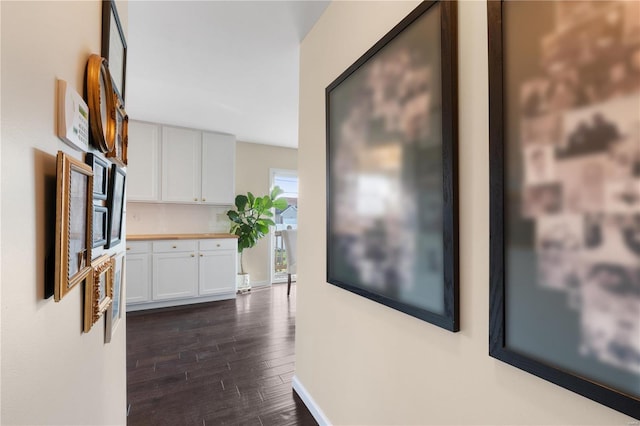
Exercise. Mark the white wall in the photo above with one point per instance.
(52, 373)
(362, 362)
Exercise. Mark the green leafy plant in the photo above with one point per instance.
(251, 219)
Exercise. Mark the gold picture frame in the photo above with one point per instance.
(102, 104)
(98, 292)
(119, 153)
(74, 218)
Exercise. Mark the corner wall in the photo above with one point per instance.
(52, 373)
(253, 165)
(364, 363)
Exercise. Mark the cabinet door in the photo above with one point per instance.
(175, 275)
(217, 272)
(143, 170)
(138, 278)
(181, 151)
(218, 168)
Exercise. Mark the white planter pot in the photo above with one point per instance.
(243, 283)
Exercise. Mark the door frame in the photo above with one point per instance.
(272, 174)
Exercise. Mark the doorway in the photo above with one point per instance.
(284, 219)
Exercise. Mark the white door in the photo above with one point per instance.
(138, 278)
(218, 168)
(175, 275)
(143, 171)
(217, 272)
(181, 150)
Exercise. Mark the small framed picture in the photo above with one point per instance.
(74, 198)
(98, 291)
(114, 312)
(115, 204)
(119, 153)
(100, 220)
(100, 175)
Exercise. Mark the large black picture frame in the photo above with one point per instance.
(115, 204)
(500, 197)
(445, 47)
(114, 47)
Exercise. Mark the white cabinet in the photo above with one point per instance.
(181, 163)
(175, 275)
(143, 171)
(218, 168)
(176, 272)
(138, 270)
(217, 267)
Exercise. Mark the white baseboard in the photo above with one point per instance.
(313, 408)
(259, 283)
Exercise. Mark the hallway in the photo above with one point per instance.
(228, 362)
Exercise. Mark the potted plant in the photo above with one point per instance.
(250, 221)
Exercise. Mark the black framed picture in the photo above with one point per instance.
(564, 92)
(100, 220)
(392, 169)
(114, 46)
(100, 175)
(115, 204)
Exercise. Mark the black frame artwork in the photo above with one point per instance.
(100, 175)
(413, 270)
(540, 323)
(113, 41)
(115, 204)
(100, 216)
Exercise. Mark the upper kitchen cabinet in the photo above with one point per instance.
(180, 165)
(143, 173)
(218, 168)
(181, 154)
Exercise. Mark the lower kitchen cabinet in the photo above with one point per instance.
(177, 272)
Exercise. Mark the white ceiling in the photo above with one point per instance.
(226, 66)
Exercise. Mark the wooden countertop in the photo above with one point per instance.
(147, 237)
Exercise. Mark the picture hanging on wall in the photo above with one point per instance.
(100, 218)
(114, 312)
(391, 169)
(114, 46)
(98, 292)
(119, 152)
(564, 88)
(115, 204)
(100, 175)
(74, 199)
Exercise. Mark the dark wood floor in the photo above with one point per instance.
(228, 362)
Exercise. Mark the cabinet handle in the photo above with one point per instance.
(193, 255)
(201, 255)
(195, 199)
(217, 245)
(204, 199)
(174, 246)
(128, 248)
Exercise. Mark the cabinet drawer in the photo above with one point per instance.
(218, 244)
(174, 246)
(134, 247)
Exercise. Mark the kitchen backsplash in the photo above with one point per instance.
(154, 218)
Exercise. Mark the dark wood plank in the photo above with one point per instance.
(228, 362)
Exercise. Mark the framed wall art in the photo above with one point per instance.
(101, 99)
(391, 169)
(564, 89)
(74, 198)
(114, 46)
(100, 175)
(98, 292)
(114, 312)
(119, 153)
(115, 204)
(100, 221)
